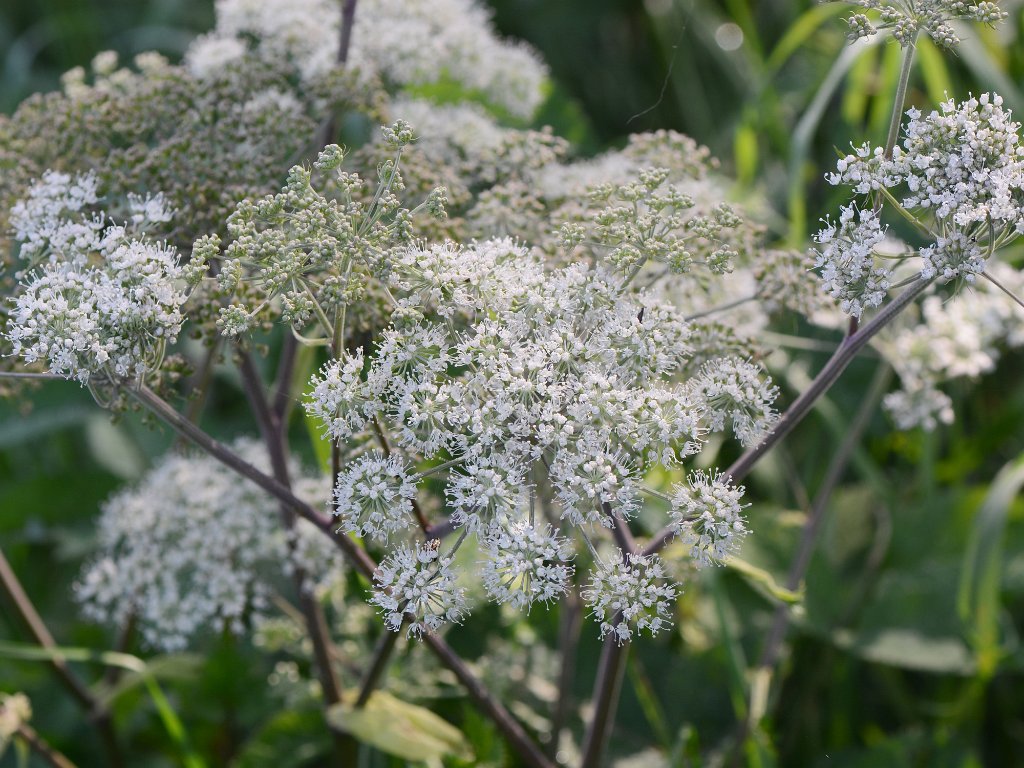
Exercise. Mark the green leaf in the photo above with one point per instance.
(113, 449)
(909, 649)
(168, 717)
(398, 728)
(745, 153)
(934, 71)
(978, 596)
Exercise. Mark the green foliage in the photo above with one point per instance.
(902, 648)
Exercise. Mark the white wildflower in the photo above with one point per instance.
(374, 496)
(630, 595)
(707, 514)
(525, 563)
(194, 548)
(340, 398)
(418, 585)
(846, 260)
(737, 391)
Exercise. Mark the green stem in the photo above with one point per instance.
(901, 96)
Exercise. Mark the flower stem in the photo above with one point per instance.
(901, 96)
(79, 691)
(606, 696)
(273, 438)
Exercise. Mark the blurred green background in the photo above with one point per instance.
(907, 650)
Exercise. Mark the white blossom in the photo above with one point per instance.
(100, 301)
(418, 585)
(340, 399)
(525, 563)
(707, 514)
(735, 391)
(847, 262)
(193, 548)
(374, 496)
(631, 594)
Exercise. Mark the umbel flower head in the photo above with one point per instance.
(417, 584)
(959, 176)
(95, 300)
(192, 549)
(525, 563)
(906, 18)
(628, 594)
(708, 516)
(374, 496)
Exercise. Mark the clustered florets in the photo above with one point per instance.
(417, 585)
(707, 513)
(518, 372)
(630, 593)
(525, 563)
(959, 175)
(404, 42)
(193, 549)
(907, 18)
(98, 299)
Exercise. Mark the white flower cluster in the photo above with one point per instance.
(708, 515)
(847, 260)
(193, 549)
(959, 174)
(630, 593)
(418, 585)
(405, 42)
(961, 339)
(525, 563)
(932, 17)
(507, 371)
(374, 496)
(97, 299)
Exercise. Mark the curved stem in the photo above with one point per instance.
(510, 728)
(273, 438)
(381, 655)
(79, 690)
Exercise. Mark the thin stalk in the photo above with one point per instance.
(381, 655)
(1003, 288)
(28, 375)
(620, 530)
(348, 18)
(200, 383)
(798, 568)
(720, 308)
(606, 696)
(39, 745)
(281, 394)
(841, 358)
(901, 96)
(570, 623)
(78, 690)
(326, 130)
(488, 704)
(316, 623)
(229, 458)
